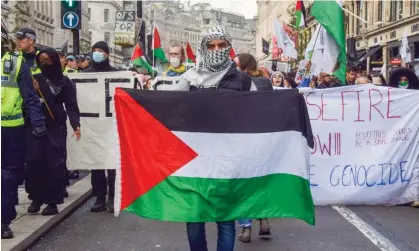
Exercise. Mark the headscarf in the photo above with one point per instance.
(216, 60)
(396, 74)
(277, 73)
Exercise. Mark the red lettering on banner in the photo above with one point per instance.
(331, 144)
(359, 108)
(322, 110)
(343, 104)
(308, 103)
(374, 105)
(388, 106)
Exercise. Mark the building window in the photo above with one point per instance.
(414, 7)
(357, 22)
(88, 13)
(400, 9)
(380, 11)
(106, 15)
(393, 10)
(90, 38)
(365, 6)
(107, 37)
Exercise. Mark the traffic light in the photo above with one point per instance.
(71, 14)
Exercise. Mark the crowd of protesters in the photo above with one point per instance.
(46, 175)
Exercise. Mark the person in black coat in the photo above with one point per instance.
(100, 184)
(247, 63)
(404, 78)
(45, 176)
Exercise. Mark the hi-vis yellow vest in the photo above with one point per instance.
(35, 69)
(69, 70)
(11, 100)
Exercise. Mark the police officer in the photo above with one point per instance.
(72, 64)
(26, 39)
(17, 97)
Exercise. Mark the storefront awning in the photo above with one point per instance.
(369, 53)
(393, 44)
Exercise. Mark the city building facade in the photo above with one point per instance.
(101, 18)
(377, 41)
(266, 14)
(37, 15)
(181, 23)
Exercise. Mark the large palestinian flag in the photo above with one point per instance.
(213, 156)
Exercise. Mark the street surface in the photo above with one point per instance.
(392, 228)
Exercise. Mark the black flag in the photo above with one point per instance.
(265, 46)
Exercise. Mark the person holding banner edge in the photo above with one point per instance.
(101, 183)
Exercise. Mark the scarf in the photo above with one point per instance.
(216, 60)
(172, 72)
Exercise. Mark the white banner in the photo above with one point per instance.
(366, 139)
(366, 145)
(95, 91)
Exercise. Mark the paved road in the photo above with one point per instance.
(397, 228)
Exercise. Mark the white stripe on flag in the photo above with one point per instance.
(253, 155)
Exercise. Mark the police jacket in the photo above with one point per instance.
(30, 59)
(31, 106)
(57, 90)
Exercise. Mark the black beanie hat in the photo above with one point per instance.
(101, 45)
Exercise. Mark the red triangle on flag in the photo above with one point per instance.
(137, 53)
(156, 39)
(149, 151)
(232, 53)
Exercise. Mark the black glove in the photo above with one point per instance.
(39, 131)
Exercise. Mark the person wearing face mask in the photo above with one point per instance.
(45, 174)
(102, 185)
(176, 59)
(216, 72)
(404, 78)
(20, 107)
(100, 58)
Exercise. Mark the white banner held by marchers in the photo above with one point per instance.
(366, 139)
(95, 91)
(366, 145)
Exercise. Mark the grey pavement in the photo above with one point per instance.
(28, 228)
(102, 231)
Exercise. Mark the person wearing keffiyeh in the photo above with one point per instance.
(215, 71)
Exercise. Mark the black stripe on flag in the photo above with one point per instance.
(228, 112)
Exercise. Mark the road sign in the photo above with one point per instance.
(71, 14)
(71, 20)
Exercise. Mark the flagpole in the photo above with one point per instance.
(153, 61)
(312, 52)
(360, 18)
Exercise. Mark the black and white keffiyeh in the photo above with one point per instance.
(216, 60)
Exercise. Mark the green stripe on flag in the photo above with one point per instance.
(189, 199)
(330, 15)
